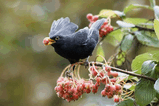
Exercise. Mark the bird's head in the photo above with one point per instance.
(53, 40)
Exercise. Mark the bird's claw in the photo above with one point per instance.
(86, 64)
(67, 74)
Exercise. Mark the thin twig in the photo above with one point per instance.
(123, 71)
(144, 28)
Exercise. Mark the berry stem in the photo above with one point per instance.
(123, 71)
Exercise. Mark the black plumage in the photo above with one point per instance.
(70, 44)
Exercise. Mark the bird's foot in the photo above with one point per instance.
(67, 74)
(86, 62)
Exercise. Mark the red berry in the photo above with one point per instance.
(59, 88)
(70, 91)
(60, 79)
(94, 73)
(88, 90)
(65, 96)
(116, 98)
(105, 23)
(75, 97)
(60, 94)
(95, 18)
(107, 68)
(103, 93)
(114, 74)
(98, 79)
(79, 87)
(106, 27)
(97, 84)
(101, 74)
(112, 89)
(118, 86)
(103, 81)
(110, 95)
(113, 80)
(102, 26)
(89, 16)
(110, 28)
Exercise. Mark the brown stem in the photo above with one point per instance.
(143, 28)
(124, 71)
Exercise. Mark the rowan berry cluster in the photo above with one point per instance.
(105, 28)
(71, 88)
(112, 89)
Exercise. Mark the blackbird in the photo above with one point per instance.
(70, 44)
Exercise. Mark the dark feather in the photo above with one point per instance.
(74, 45)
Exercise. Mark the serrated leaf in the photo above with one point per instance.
(156, 10)
(147, 66)
(135, 20)
(138, 61)
(135, 6)
(106, 13)
(156, 85)
(124, 24)
(144, 92)
(128, 102)
(126, 42)
(100, 52)
(156, 27)
(146, 39)
(114, 37)
(119, 13)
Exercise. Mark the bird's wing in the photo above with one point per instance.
(94, 29)
(62, 26)
(81, 36)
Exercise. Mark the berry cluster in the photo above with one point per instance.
(71, 89)
(105, 28)
(103, 76)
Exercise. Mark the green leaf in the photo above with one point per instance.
(128, 102)
(100, 52)
(129, 86)
(144, 92)
(135, 20)
(156, 27)
(106, 13)
(114, 37)
(135, 6)
(119, 13)
(124, 24)
(146, 39)
(127, 42)
(148, 66)
(156, 85)
(156, 10)
(138, 61)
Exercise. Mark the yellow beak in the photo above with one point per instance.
(48, 41)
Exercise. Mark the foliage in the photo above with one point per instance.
(139, 31)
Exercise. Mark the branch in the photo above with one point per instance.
(122, 71)
(143, 28)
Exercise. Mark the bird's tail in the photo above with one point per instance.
(98, 24)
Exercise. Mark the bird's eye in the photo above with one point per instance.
(57, 38)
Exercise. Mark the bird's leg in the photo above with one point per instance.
(86, 62)
(67, 73)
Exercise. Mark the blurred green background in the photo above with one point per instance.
(28, 69)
